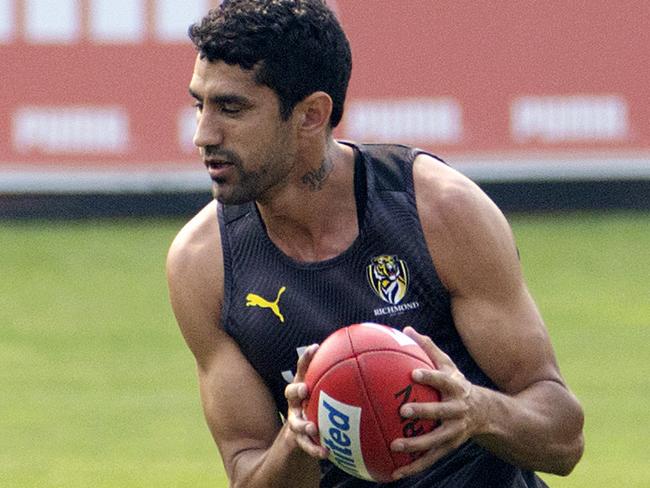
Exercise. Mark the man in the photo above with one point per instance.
(287, 254)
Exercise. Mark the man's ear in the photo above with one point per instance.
(314, 113)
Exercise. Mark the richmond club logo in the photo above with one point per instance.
(388, 276)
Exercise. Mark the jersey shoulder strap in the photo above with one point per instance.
(392, 164)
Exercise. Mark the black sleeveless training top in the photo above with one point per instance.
(274, 306)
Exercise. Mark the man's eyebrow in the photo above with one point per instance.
(223, 99)
(194, 94)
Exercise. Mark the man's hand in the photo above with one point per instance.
(296, 393)
(458, 412)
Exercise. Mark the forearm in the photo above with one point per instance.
(539, 428)
(283, 464)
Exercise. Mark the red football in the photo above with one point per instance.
(358, 380)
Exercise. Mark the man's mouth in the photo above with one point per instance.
(217, 167)
(215, 163)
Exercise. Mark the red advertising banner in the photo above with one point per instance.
(95, 83)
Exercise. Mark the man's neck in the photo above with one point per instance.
(316, 219)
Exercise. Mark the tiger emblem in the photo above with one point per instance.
(388, 276)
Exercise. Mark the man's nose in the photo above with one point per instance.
(208, 130)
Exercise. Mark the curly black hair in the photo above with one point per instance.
(297, 47)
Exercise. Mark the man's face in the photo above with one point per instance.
(248, 149)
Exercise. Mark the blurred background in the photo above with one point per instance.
(535, 94)
(544, 104)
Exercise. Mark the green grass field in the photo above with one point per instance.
(99, 390)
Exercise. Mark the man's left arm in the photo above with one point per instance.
(534, 421)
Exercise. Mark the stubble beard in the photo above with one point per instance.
(248, 186)
(245, 189)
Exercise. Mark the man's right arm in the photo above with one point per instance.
(257, 450)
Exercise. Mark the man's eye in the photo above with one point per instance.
(230, 109)
(198, 106)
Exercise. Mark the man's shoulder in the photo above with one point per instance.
(461, 224)
(197, 241)
(195, 281)
(446, 192)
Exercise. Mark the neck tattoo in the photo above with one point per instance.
(316, 179)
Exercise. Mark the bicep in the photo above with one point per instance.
(473, 249)
(496, 315)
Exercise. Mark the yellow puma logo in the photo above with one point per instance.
(253, 300)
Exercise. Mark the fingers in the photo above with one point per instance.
(449, 410)
(311, 448)
(437, 355)
(296, 393)
(447, 378)
(444, 444)
(440, 436)
(432, 446)
(455, 411)
(450, 384)
(305, 432)
(303, 362)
